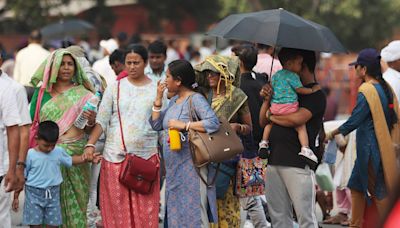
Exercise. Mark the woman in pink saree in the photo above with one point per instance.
(66, 92)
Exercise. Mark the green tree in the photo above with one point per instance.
(102, 17)
(31, 14)
(357, 23)
(204, 11)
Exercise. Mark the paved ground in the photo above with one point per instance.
(17, 217)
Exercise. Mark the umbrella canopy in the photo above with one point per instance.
(278, 27)
(65, 28)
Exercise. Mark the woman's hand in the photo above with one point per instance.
(176, 124)
(88, 153)
(329, 136)
(90, 115)
(161, 86)
(235, 127)
(97, 158)
(266, 92)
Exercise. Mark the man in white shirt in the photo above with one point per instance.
(391, 55)
(156, 69)
(28, 60)
(102, 66)
(205, 49)
(172, 51)
(265, 60)
(10, 119)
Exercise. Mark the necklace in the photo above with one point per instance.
(58, 92)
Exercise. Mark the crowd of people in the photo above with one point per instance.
(72, 175)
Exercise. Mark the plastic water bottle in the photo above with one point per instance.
(91, 104)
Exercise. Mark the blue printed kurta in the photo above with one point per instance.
(182, 181)
(366, 144)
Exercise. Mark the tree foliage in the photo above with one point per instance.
(204, 11)
(102, 17)
(357, 23)
(31, 14)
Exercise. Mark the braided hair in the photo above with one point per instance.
(374, 70)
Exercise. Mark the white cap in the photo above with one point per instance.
(110, 45)
(391, 52)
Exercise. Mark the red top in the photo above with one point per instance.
(122, 75)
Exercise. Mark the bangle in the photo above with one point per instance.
(157, 106)
(187, 126)
(90, 125)
(90, 145)
(156, 110)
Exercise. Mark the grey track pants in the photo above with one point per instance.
(287, 186)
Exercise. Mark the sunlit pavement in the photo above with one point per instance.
(17, 217)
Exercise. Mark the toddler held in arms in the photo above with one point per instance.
(286, 85)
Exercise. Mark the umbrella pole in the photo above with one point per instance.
(272, 64)
(216, 45)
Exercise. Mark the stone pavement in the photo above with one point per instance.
(17, 217)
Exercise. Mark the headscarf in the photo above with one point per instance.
(227, 67)
(48, 71)
(97, 81)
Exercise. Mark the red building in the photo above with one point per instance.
(135, 18)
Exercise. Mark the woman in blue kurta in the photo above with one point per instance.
(189, 202)
(374, 117)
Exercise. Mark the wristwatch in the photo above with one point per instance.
(21, 163)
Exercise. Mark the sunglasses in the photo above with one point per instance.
(211, 73)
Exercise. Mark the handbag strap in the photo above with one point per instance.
(119, 117)
(192, 113)
(38, 105)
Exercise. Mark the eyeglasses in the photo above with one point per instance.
(211, 73)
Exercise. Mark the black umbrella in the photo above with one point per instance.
(280, 28)
(65, 28)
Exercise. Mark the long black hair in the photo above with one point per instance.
(182, 70)
(375, 71)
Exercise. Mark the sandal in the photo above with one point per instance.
(345, 223)
(337, 219)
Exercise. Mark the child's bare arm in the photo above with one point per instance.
(305, 91)
(80, 159)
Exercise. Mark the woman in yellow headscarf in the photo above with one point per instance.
(220, 76)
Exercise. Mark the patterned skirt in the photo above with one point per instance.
(121, 207)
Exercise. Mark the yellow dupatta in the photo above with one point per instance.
(387, 142)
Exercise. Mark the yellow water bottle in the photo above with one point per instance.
(174, 140)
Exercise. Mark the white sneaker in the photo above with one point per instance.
(309, 154)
